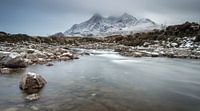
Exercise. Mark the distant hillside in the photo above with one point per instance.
(171, 33)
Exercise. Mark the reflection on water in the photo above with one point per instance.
(109, 82)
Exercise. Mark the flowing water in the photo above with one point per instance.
(109, 82)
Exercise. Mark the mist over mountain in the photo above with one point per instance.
(98, 25)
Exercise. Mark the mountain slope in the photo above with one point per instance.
(98, 25)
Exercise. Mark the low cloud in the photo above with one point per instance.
(58, 15)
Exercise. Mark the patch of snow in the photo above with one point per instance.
(33, 74)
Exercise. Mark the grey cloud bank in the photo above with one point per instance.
(43, 17)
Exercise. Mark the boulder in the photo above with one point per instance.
(12, 60)
(5, 70)
(32, 82)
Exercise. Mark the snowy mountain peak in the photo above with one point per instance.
(127, 16)
(96, 17)
(98, 25)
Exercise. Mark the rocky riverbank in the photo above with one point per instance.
(20, 55)
(184, 48)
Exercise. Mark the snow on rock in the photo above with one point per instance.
(187, 42)
(33, 74)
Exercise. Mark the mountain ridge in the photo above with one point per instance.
(98, 25)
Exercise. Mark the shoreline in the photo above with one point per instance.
(43, 53)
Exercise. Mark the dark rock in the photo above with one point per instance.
(12, 60)
(197, 39)
(49, 64)
(85, 53)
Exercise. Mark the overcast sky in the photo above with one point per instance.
(46, 17)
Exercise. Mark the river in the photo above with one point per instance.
(109, 82)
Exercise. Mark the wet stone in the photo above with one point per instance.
(34, 108)
(11, 109)
(32, 97)
(49, 64)
(32, 83)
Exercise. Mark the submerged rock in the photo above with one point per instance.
(32, 82)
(11, 109)
(93, 94)
(34, 108)
(32, 97)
